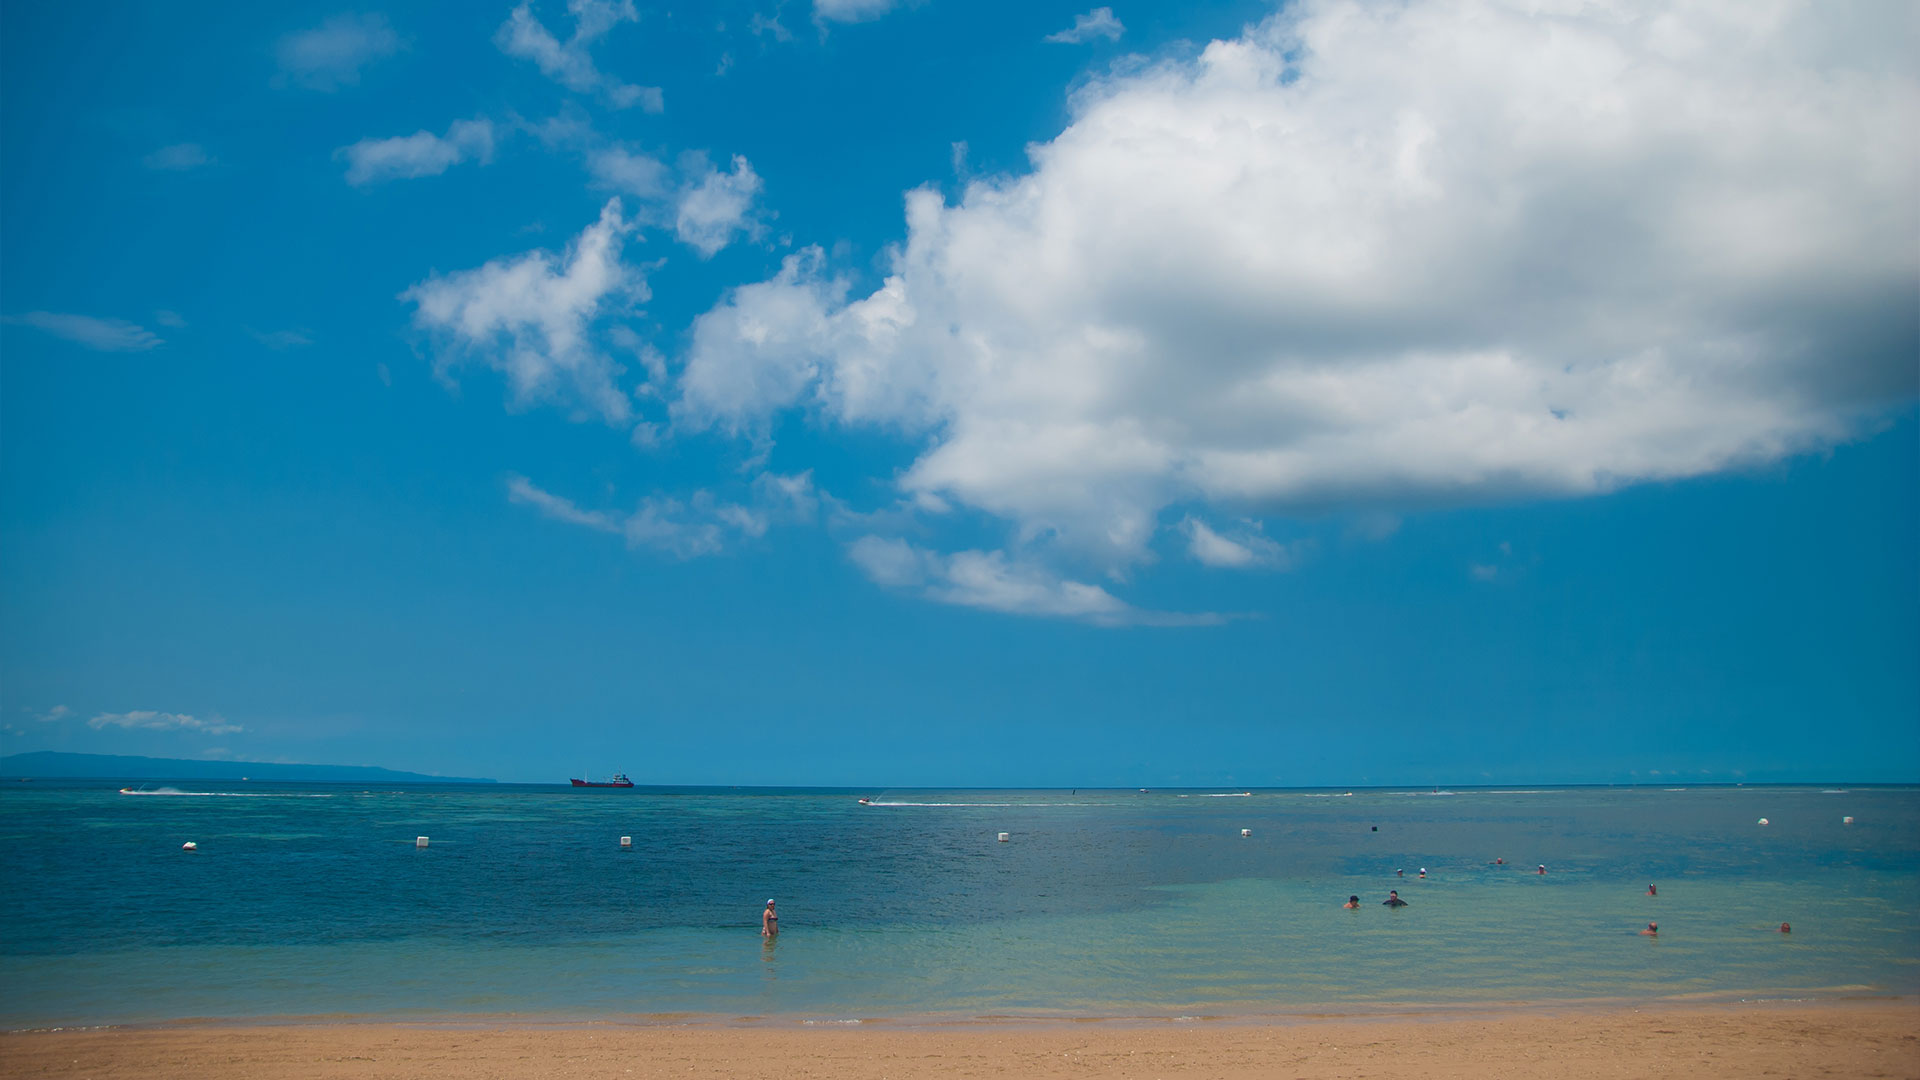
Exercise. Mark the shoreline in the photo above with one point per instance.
(1409, 1012)
(1849, 1037)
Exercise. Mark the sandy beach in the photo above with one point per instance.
(1849, 1039)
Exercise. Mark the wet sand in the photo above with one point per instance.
(1842, 1039)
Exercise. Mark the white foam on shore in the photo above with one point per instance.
(895, 804)
(175, 792)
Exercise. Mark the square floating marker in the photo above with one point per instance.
(1003, 837)
(419, 841)
(626, 842)
(1246, 832)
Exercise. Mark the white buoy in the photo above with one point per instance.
(191, 846)
(1763, 821)
(1848, 820)
(1003, 837)
(419, 841)
(1246, 832)
(626, 842)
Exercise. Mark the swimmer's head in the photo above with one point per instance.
(1355, 900)
(1785, 929)
(1393, 892)
(769, 901)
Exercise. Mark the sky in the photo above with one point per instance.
(884, 394)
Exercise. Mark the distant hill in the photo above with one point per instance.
(51, 764)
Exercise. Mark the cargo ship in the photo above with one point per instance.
(619, 780)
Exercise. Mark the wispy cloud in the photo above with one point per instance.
(850, 11)
(330, 55)
(280, 340)
(422, 153)
(717, 205)
(617, 169)
(522, 491)
(179, 157)
(703, 524)
(1098, 23)
(568, 63)
(1248, 547)
(106, 335)
(992, 581)
(147, 719)
(528, 317)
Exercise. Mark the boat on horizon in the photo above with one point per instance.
(619, 780)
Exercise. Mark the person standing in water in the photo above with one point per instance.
(1393, 899)
(1352, 904)
(769, 922)
(1652, 930)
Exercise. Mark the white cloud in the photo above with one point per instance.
(163, 721)
(106, 335)
(1483, 571)
(633, 174)
(568, 63)
(850, 11)
(1378, 256)
(169, 319)
(1096, 23)
(704, 524)
(331, 55)
(54, 715)
(179, 157)
(404, 157)
(1247, 548)
(991, 581)
(529, 316)
(716, 206)
(522, 491)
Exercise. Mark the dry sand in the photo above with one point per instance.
(1847, 1039)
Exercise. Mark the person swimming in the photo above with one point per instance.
(1423, 871)
(1399, 873)
(1393, 899)
(1543, 869)
(1652, 930)
(1352, 904)
(1785, 929)
(1651, 891)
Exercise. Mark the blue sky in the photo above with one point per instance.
(892, 394)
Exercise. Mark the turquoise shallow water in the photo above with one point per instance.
(313, 900)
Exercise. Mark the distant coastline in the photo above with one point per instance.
(55, 765)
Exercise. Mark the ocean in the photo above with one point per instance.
(313, 900)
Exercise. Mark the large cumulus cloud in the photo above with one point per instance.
(1384, 254)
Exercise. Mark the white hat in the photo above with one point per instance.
(769, 899)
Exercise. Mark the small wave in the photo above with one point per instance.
(1326, 795)
(227, 794)
(895, 804)
(1229, 795)
(1834, 791)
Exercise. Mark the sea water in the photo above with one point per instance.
(314, 900)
